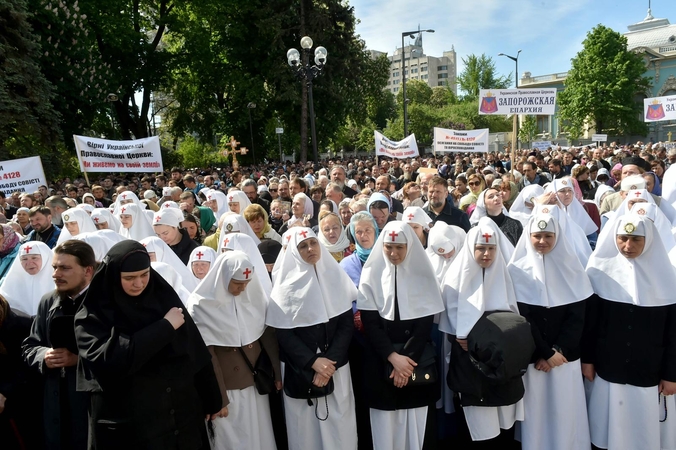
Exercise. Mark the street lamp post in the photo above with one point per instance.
(308, 73)
(515, 122)
(403, 73)
(249, 107)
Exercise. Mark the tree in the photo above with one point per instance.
(480, 73)
(417, 92)
(528, 130)
(26, 113)
(601, 85)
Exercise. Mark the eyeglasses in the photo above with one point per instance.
(475, 183)
(273, 190)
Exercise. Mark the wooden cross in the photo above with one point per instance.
(233, 151)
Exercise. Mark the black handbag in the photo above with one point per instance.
(263, 372)
(425, 372)
(298, 381)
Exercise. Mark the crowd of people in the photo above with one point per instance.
(359, 304)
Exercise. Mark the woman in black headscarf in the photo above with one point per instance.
(142, 359)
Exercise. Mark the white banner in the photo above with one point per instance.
(102, 155)
(541, 145)
(406, 148)
(466, 141)
(659, 108)
(22, 175)
(537, 102)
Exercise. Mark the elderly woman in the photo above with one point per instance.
(303, 213)
(332, 235)
(257, 218)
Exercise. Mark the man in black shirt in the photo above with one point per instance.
(439, 208)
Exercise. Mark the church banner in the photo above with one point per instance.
(103, 155)
(466, 141)
(537, 102)
(659, 108)
(22, 175)
(406, 148)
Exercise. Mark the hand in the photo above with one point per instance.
(588, 371)
(175, 317)
(403, 366)
(556, 360)
(542, 365)
(55, 358)
(666, 388)
(278, 385)
(222, 413)
(324, 366)
(2, 403)
(463, 343)
(320, 380)
(184, 206)
(399, 381)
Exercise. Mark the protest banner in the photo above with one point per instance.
(540, 102)
(541, 145)
(103, 155)
(22, 175)
(659, 108)
(466, 141)
(406, 148)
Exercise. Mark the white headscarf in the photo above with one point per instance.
(243, 243)
(480, 208)
(98, 242)
(238, 197)
(174, 279)
(169, 204)
(23, 291)
(469, 290)
(126, 195)
(308, 208)
(304, 294)
(647, 280)
(519, 210)
(235, 223)
(573, 233)
(79, 215)
(601, 190)
(221, 202)
(201, 254)
(415, 214)
(444, 239)
(416, 292)
(223, 319)
(104, 215)
(341, 244)
(164, 253)
(554, 279)
(140, 225)
(87, 207)
(575, 210)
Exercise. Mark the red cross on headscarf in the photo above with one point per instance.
(393, 235)
(247, 272)
(637, 194)
(199, 255)
(28, 248)
(124, 196)
(158, 218)
(230, 198)
(123, 210)
(225, 242)
(288, 238)
(411, 216)
(487, 237)
(303, 233)
(96, 219)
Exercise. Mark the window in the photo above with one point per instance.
(395, 81)
(395, 89)
(423, 77)
(389, 82)
(442, 67)
(414, 70)
(543, 124)
(442, 75)
(395, 74)
(441, 83)
(405, 71)
(423, 68)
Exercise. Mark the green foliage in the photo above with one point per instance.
(442, 96)
(528, 130)
(480, 73)
(195, 153)
(602, 84)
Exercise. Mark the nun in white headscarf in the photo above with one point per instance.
(159, 251)
(29, 277)
(573, 233)
(419, 221)
(172, 277)
(244, 243)
(201, 261)
(551, 286)
(98, 242)
(217, 202)
(629, 344)
(75, 221)
(126, 198)
(564, 191)
(445, 243)
(237, 201)
(476, 283)
(311, 309)
(134, 224)
(234, 223)
(229, 309)
(398, 299)
(523, 204)
(105, 220)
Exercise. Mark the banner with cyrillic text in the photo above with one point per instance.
(659, 108)
(103, 155)
(466, 141)
(22, 175)
(541, 145)
(540, 102)
(406, 148)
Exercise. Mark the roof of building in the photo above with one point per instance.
(651, 33)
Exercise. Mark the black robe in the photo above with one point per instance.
(184, 247)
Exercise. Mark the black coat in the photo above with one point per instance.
(65, 409)
(630, 344)
(381, 334)
(560, 326)
(184, 247)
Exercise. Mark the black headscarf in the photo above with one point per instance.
(108, 320)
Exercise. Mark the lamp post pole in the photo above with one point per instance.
(515, 120)
(308, 73)
(403, 73)
(249, 107)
